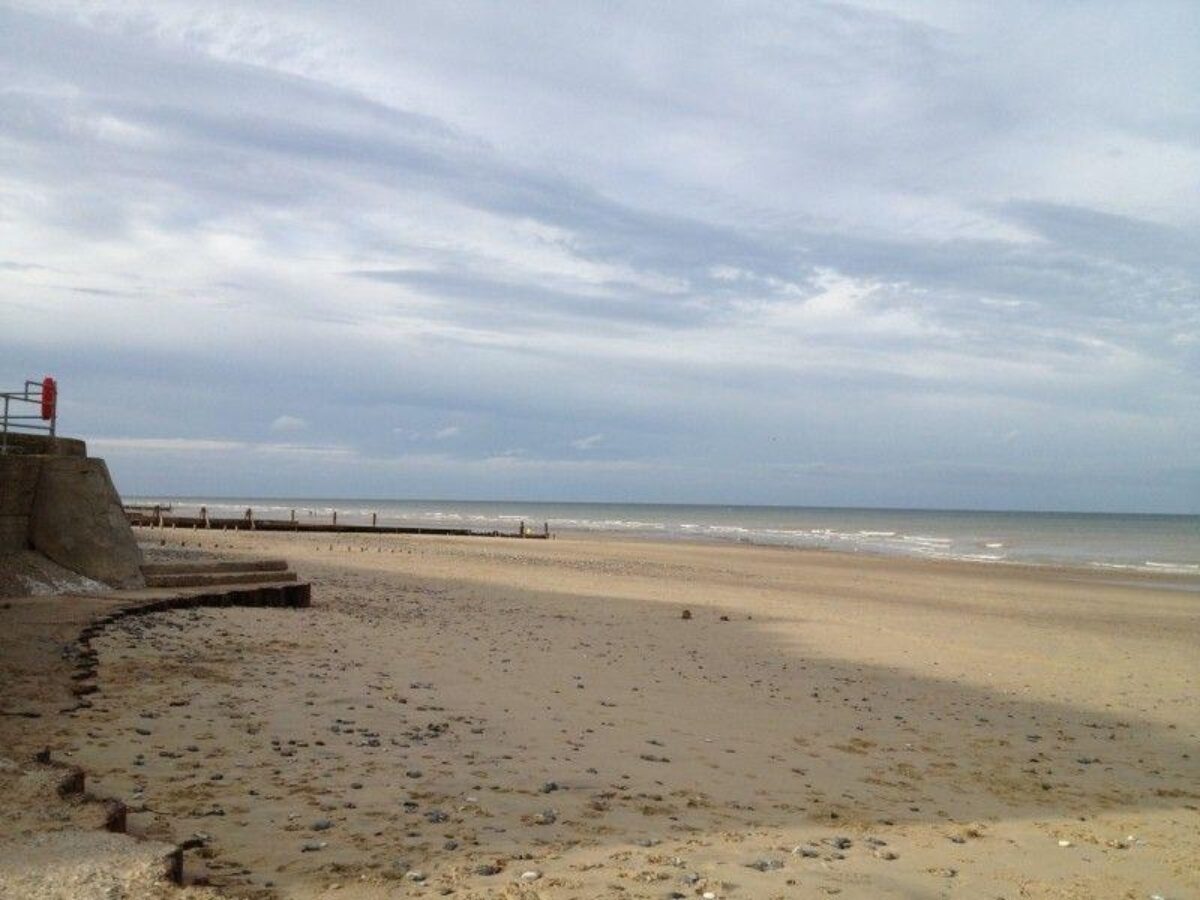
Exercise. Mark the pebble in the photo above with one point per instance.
(487, 869)
(765, 865)
(545, 817)
(322, 825)
(531, 875)
(312, 846)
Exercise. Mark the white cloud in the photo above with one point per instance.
(587, 443)
(164, 445)
(288, 423)
(204, 446)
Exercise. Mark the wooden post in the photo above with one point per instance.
(335, 518)
(522, 528)
(293, 517)
(250, 519)
(204, 516)
(374, 519)
(546, 530)
(158, 517)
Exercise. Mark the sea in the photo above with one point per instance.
(1162, 544)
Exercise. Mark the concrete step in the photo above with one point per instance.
(54, 796)
(211, 579)
(70, 864)
(188, 568)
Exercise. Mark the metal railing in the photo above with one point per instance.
(42, 394)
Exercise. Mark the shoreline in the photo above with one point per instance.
(1101, 573)
(1114, 542)
(822, 723)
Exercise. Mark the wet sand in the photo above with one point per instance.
(484, 718)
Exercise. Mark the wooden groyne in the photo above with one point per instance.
(162, 517)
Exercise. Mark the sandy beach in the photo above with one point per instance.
(595, 718)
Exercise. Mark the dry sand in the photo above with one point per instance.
(489, 718)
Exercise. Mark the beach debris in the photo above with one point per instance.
(313, 846)
(435, 816)
(1065, 843)
(487, 869)
(687, 614)
(550, 787)
(322, 825)
(531, 875)
(415, 875)
(545, 817)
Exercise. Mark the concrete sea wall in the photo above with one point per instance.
(57, 501)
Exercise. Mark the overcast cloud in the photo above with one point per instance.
(873, 253)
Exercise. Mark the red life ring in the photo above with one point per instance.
(49, 398)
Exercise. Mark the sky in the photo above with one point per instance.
(906, 254)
